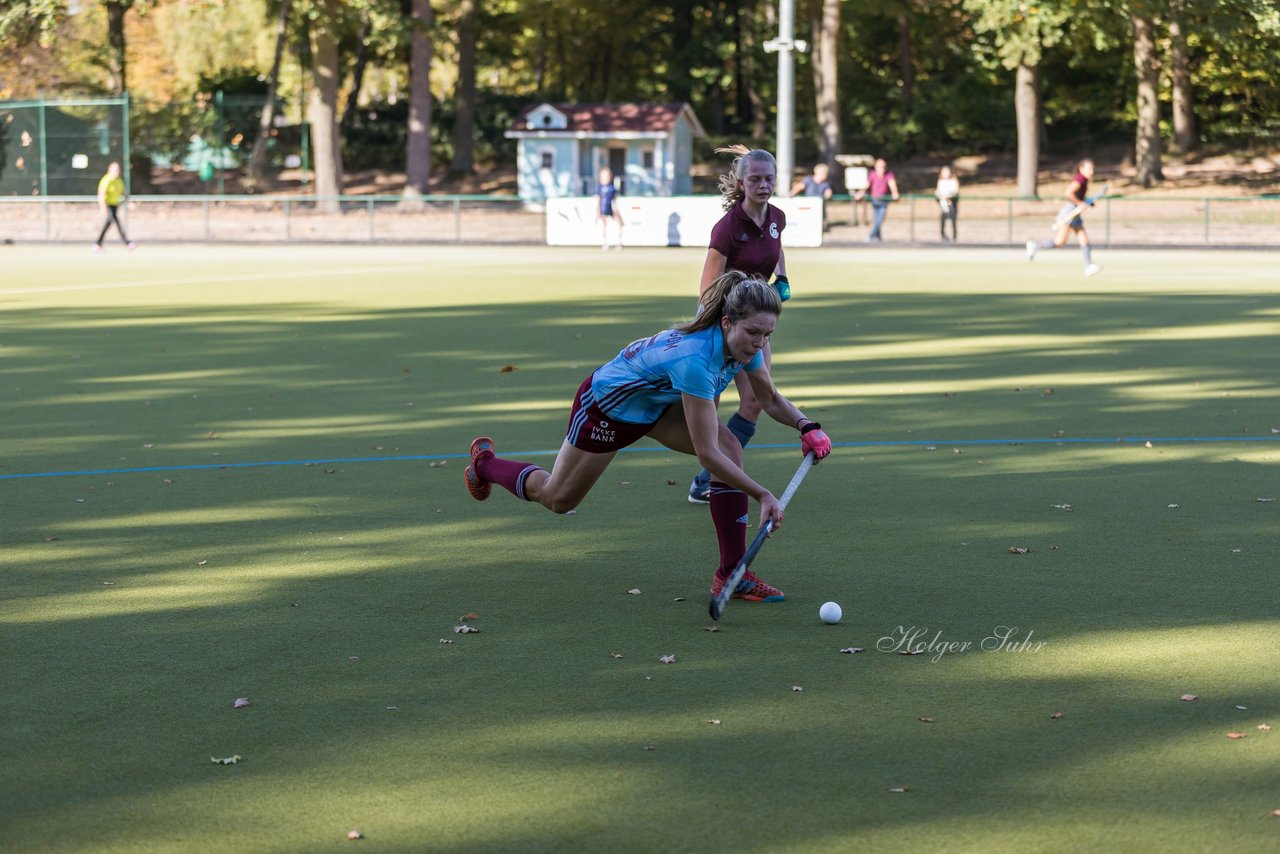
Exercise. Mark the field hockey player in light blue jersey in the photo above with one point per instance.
(666, 387)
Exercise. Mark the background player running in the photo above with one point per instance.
(747, 238)
(1069, 220)
(666, 387)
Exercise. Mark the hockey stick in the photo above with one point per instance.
(717, 603)
(1075, 211)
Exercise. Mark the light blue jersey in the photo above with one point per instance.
(649, 375)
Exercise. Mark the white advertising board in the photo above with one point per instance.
(670, 220)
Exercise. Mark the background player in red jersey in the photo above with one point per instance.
(1069, 220)
(748, 238)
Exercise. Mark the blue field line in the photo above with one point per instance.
(887, 443)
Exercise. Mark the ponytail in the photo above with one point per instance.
(731, 191)
(735, 295)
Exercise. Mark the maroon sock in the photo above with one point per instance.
(508, 474)
(729, 508)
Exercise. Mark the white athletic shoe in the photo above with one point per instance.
(1093, 269)
(1032, 249)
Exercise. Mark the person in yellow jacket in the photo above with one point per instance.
(111, 195)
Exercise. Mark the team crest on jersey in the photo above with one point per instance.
(773, 230)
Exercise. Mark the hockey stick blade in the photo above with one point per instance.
(717, 604)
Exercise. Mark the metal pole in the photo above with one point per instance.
(286, 219)
(457, 220)
(44, 166)
(124, 147)
(785, 45)
(222, 133)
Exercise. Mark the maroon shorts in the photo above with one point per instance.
(592, 431)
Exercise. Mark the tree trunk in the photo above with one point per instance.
(1026, 105)
(418, 147)
(1184, 116)
(464, 99)
(680, 83)
(357, 72)
(906, 61)
(824, 21)
(1147, 142)
(117, 55)
(258, 157)
(322, 112)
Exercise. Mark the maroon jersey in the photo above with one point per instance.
(746, 246)
(1083, 192)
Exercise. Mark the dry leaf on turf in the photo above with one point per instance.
(508, 369)
(1189, 697)
(714, 722)
(668, 659)
(634, 591)
(436, 464)
(1236, 735)
(671, 483)
(1264, 727)
(464, 629)
(201, 562)
(1173, 506)
(1018, 550)
(354, 834)
(469, 616)
(445, 640)
(240, 703)
(1242, 708)
(1055, 716)
(230, 760)
(797, 688)
(1264, 500)
(711, 628)
(1276, 813)
(615, 655)
(926, 720)
(678, 599)
(852, 650)
(1066, 507)
(899, 790)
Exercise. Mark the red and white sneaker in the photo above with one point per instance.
(479, 488)
(750, 588)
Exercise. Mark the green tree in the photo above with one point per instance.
(1020, 34)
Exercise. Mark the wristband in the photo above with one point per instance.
(783, 286)
(811, 426)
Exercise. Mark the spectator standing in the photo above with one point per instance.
(948, 193)
(607, 208)
(883, 188)
(111, 194)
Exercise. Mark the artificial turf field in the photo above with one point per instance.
(236, 472)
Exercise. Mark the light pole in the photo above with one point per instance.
(785, 45)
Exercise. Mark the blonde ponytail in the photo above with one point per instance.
(735, 295)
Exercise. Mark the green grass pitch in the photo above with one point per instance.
(152, 579)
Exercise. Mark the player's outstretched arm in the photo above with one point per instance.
(785, 412)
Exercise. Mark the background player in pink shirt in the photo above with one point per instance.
(666, 387)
